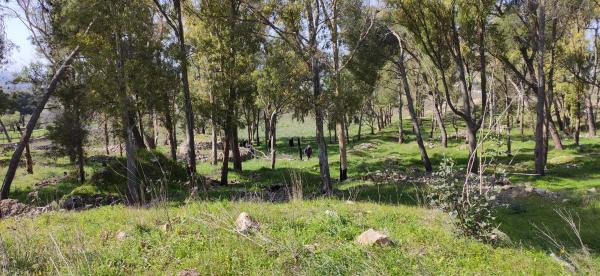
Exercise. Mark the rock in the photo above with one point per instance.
(166, 227)
(11, 208)
(188, 272)
(73, 202)
(244, 223)
(364, 146)
(500, 236)
(540, 191)
(372, 237)
(312, 248)
(331, 213)
(121, 236)
(245, 154)
(350, 202)
(528, 189)
(592, 190)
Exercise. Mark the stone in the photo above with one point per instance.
(312, 248)
(244, 223)
(188, 272)
(540, 191)
(592, 190)
(500, 236)
(166, 227)
(373, 237)
(566, 200)
(121, 235)
(331, 213)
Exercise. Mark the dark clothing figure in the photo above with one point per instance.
(308, 151)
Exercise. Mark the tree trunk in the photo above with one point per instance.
(235, 148)
(213, 152)
(323, 158)
(577, 122)
(401, 122)
(106, 137)
(413, 115)
(360, 124)
(226, 147)
(14, 161)
(591, 118)
(273, 138)
(540, 164)
(187, 101)
(172, 135)
(5, 132)
(81, 162)
(341, 131)
(299, 148)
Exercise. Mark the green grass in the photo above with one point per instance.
(426, 242)
(202, 237)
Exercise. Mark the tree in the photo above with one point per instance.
(58, 68)
(172, 12)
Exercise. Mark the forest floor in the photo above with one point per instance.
(314, 236)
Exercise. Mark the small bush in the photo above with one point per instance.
(470, 202)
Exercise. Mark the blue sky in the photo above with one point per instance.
(24, 52)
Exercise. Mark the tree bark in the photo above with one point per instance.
(323, 158)
(172, 135)
(591, 118)
(273, 138)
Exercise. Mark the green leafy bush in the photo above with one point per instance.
(469, 202)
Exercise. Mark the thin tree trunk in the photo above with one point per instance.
(235, 150)
(81, 162)
(273, 136)
(540, 164)
(187, 101)
(360, 124)
(577, 122)
(172, 135)
(413, 115)
(213, 142)
(5, 132)
(226, 147)
(106, 137)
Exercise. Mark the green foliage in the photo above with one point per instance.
(471, 207)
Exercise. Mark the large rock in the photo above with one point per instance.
(373, 237)
(11, 208)
(245, 154)
(364, 146)
(244, 223)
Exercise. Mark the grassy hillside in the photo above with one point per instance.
(200, 233)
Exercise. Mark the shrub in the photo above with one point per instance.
(469, 202)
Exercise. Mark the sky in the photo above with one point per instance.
(24, 52)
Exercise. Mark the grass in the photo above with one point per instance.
(202, 236)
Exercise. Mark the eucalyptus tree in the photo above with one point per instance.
(454, 36)
(172, 12)
(68, 130)
(526, 38)
(226, 37)
(37, 20)
(280, 80)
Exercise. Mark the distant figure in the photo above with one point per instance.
(308, 151)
